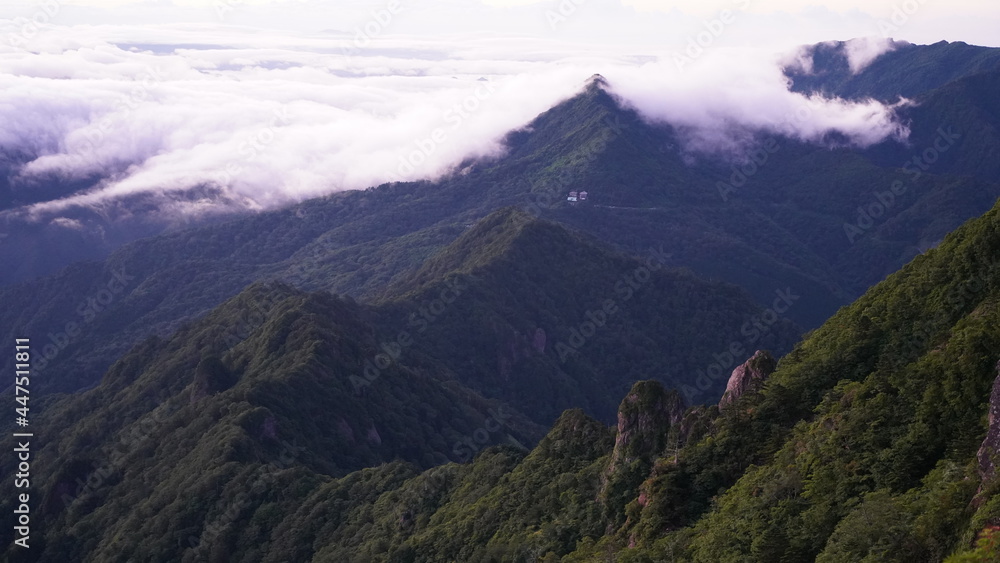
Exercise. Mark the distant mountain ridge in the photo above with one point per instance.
(231, 417)
(548, 320)
(310, 386)
(816, 220)
(866, 442)
(905, 70)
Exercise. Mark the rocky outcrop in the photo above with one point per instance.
(989, 453)
(518, 346)
(749, 377)
(538, 342)
(373, 436)
(645, 418)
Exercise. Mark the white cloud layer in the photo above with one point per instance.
(862, 51)
(278, 118)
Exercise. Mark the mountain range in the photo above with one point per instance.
(481, 369)
(826, 223)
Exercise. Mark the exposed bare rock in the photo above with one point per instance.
(749, 377)
(345, 430)
(645, 418)
(373, 436)
(516, 347)
(989, 452)
(538, 343)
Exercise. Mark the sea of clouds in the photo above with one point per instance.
(220, 118)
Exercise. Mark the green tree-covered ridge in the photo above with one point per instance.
(278, 380)
(794, 223)
(861, 445)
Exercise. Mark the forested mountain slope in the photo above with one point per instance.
(868, 442)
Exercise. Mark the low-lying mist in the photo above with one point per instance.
(224, 126)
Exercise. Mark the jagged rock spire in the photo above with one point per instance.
(748, 377)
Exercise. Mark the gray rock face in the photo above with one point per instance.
(989, 452)
(748, 377)
(644, 418)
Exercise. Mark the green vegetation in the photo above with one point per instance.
(282, 425)
(906, 71)
(531, 324)
(270, 402)
(860, 447)
(783, 229)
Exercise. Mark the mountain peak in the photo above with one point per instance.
(748, 377)
(481, 244)
(887, 70)
(597, 81)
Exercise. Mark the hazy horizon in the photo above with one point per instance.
(268, 105)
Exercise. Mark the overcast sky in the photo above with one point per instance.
(649, 22)
(274, 101)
